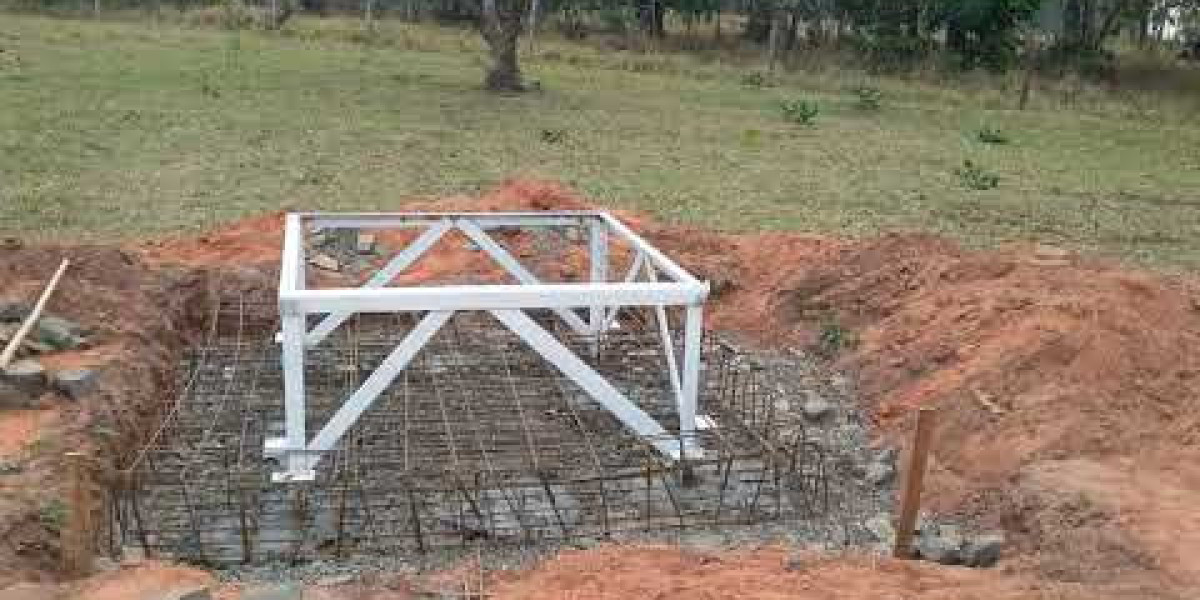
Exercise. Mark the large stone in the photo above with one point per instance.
(27, 374)
(13, 311)
(941, 544)
(325, 262)
(276, 591)
(881, 529)
(13, 396)
(189, 593)
(76, 383)
(880, 473)
(983, 550)
(59, 333)
(815, 407)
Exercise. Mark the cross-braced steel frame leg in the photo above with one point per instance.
(301, 458)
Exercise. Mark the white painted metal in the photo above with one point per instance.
(587, 378)
(415, 250)
(291, 266)
(668, 266)
(692, 334)
(600, 297)
(365, 395)
(484, 297)
(635, 270)
(293, 387)
(598, 259)
(485, 220)
(668, 341)
(515, 268)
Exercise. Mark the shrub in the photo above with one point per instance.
(974, 177)
(554, 136)
(991, 135)
(800, 112)
(868, 98)
(756, 79)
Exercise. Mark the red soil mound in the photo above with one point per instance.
(620, 573)
(1031, 359)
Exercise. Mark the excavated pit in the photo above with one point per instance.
(479, 441)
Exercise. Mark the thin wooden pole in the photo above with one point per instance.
(77, 530)
(910, 503)
(11, 349)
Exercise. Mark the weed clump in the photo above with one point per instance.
(992, 135)
(975, 177)
(867, 98)
(800, 112)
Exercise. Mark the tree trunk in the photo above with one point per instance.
(775, 38)
(500, 25)
(651, 18)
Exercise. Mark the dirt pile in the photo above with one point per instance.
(1065, 388)
(619, 573)
(1031, 354)
(140, 320)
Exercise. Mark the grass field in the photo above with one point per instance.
(117, 129)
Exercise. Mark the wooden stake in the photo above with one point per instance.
(10, 350)
(910, 503)
(76, 536)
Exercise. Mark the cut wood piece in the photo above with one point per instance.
(11, 349)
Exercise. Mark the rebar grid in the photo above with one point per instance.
(478, 439)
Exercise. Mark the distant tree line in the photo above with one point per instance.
(886, 34)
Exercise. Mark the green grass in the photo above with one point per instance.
(110, 130)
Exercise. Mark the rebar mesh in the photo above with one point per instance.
(478, 439)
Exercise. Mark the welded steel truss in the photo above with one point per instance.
(587, 308)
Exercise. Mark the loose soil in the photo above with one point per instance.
(1065, 388)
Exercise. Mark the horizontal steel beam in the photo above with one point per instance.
(421, 219)
(660, 260)
(487, 297)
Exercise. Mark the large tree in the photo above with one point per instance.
(500, 23)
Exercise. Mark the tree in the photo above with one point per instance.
(500, 24)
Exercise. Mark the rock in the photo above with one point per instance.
(275, 591)
(335, 580)
(59, 333)
(941, 544)
(1050, 256)
(192, 593)
(326, 262)
(881, 529)
(815, 407)
(13, 311)
(75, 383)
(887, 454)
(105, 564)
(880, 473)
(26, 374)
(132, 556)
(983, 550)
(365, 244)
(13, 396)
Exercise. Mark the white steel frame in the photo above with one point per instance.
(600, 299)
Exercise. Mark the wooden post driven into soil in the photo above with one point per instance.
(910, 502)
(77, 533)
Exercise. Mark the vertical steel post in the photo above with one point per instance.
(294, 329)
(598, 253)
(692, 332)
